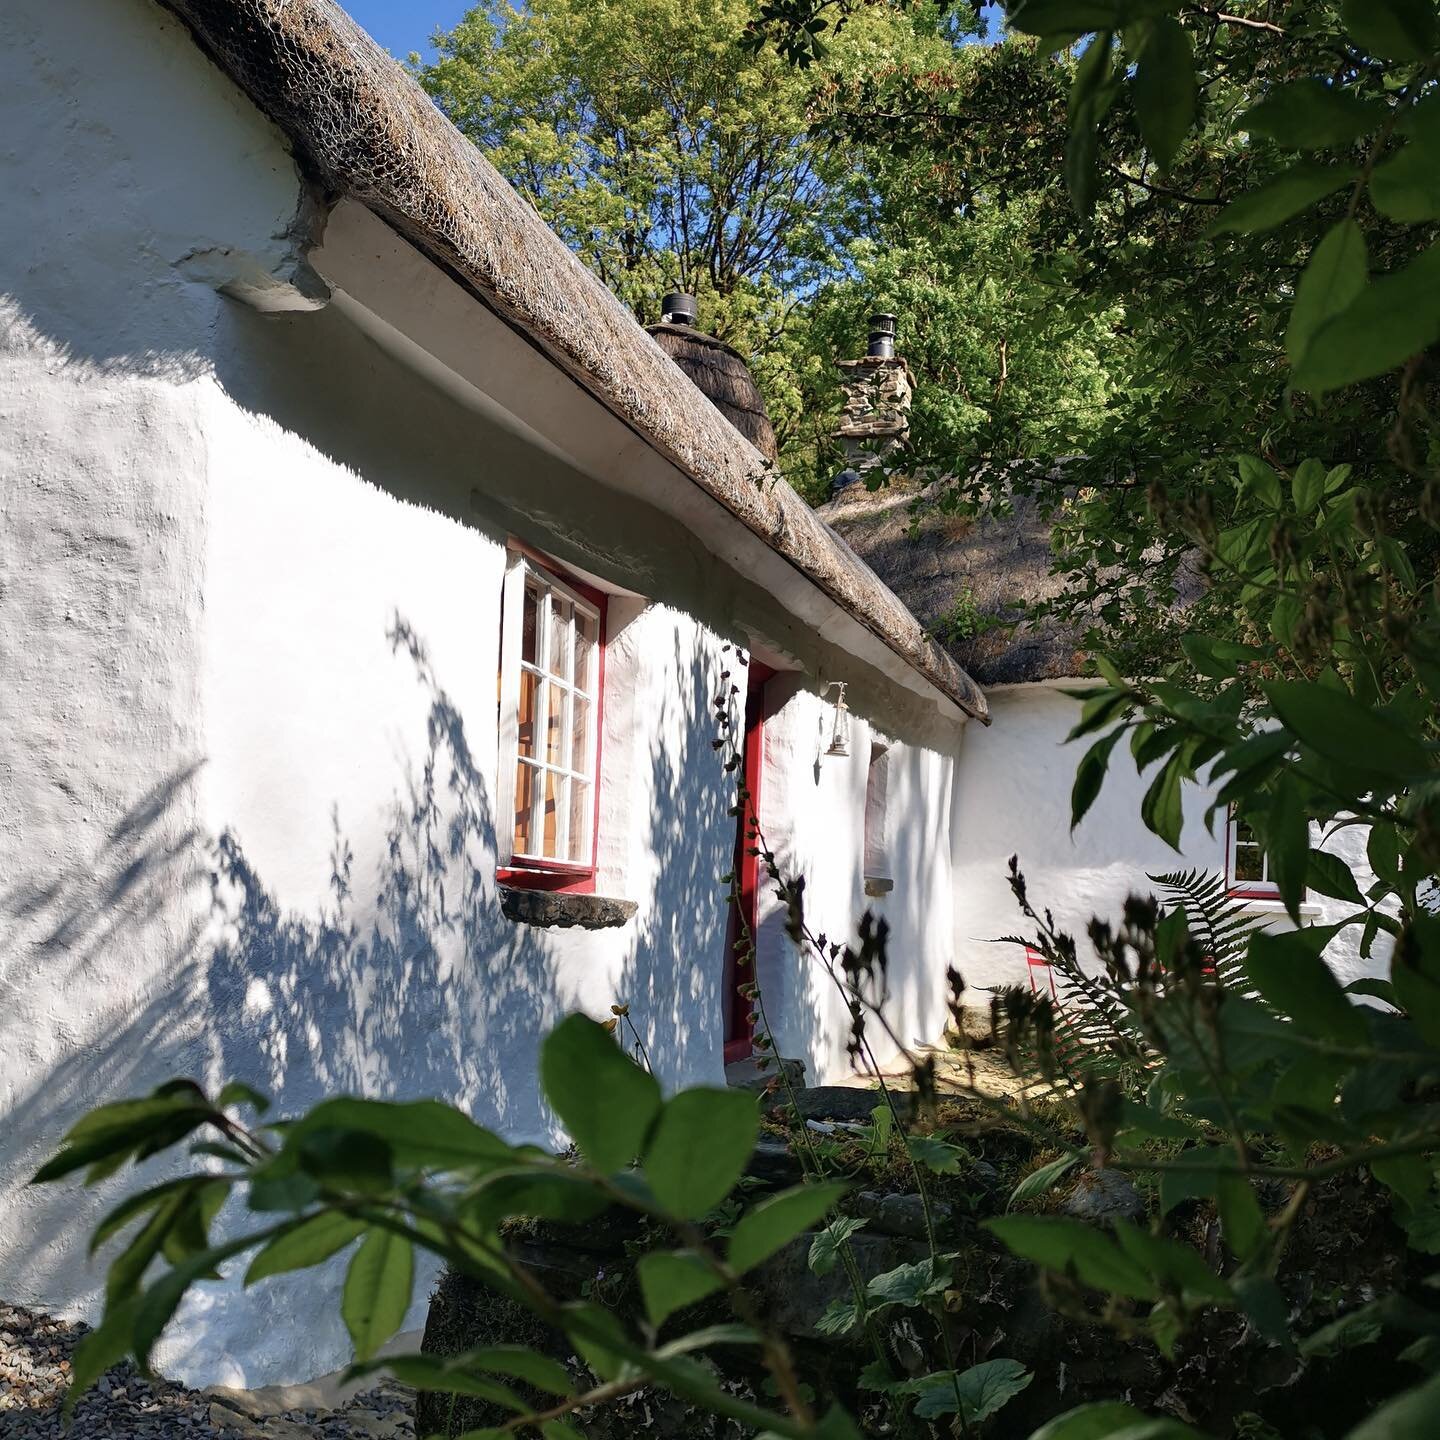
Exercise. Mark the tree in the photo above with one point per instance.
(1201, 305)
(667, 156)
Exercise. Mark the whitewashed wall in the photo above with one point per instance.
(248, 631)
(812, 806)
(249, 601)
(1012, 797)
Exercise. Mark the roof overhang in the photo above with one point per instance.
(363, 130)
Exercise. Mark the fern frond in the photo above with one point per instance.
(1218, 922)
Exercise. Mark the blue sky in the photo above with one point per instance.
(405, 25)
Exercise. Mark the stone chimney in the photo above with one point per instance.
(876, 419)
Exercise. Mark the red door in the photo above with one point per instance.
(745, 914)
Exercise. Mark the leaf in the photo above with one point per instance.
(1287, 843)
(838, 1318)
(1281, 198)
(1339, 727)
(1162, 808)
(977, 1392)
(377, 1290)
(1397, 315)
(937, 1155)
(1240, 1216)
(1164, 87)
(1260, 480)
(1406, 187)
(1415, 974)
(1090, 95)
(1391, 29)
(1331, 876)
(1336, 273)
(1265, 1307)
(443, 1375)
(1377, 989)
(700, 1147)
(1196, 1181)
(520, 1363)
(1055, 17)
(107, 1136)
(1415, 1415)
(1037, 1182)
(1171, 1263)
(1307, 485)
(909, 1284)
(602, 1097)
(766, 1227)
(1311, 115)
(418, 1132)
(1112, 1420)
(826, 1246)
(1071, 1246)
(351, 1160)
(307, 1243)
(1090, 776)
(669, 1281)
(1201, 653)
(102, 1348)
(1288, 971)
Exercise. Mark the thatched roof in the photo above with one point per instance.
(723, 378)
(947, 568)
(362, 128)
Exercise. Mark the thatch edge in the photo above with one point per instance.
(364, 129)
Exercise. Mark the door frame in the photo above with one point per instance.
(739, 1032)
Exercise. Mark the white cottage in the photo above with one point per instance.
(366, 579)
(367, 576)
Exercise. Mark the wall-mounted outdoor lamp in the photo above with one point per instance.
(840, 731)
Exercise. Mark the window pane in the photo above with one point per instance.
(551, 815)
(555, 726)
(525, 726)
(580, 735)
(584, 651)
(561, 620)
(1249, 863)
(530, 623)
(582, 822)
(524, 807)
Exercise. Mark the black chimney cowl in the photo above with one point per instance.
(678, 308)
(882, 337)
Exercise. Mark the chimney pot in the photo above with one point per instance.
(882, 337)
(678, 308)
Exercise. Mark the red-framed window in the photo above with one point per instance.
(552, 689)
(1247, 867)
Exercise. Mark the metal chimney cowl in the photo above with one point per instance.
(882, 337)
(678, 308)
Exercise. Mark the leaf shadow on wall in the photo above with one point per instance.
(410, 983)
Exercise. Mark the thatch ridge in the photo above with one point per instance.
(363, 128)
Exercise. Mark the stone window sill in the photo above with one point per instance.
(555, 909)
(1260, 905)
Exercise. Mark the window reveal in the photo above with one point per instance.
(551, 678)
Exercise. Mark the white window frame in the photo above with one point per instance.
(1265, 887)
(520, 570)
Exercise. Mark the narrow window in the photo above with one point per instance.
(1248, 868)
(878, 879)
(551, 680)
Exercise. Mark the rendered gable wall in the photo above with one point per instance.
(1012, 797)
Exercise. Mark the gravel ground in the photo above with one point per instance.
(35, 1371)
